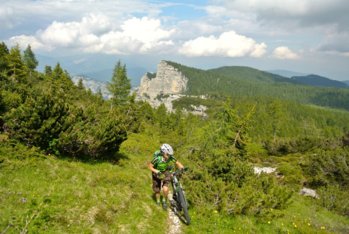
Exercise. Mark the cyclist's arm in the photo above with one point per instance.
(179, 165)
(151, 167)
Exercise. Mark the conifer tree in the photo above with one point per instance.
(29, 58)
(3, 56)
(57, 71)
(48, 70)
(81, 85)
(120, 85)
(17, 69)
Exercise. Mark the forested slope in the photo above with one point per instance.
(71, 161)
(240, 82)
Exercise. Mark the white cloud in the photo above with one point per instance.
(146, 31)
(228, 44)
(94, 33)
(283, 52)
(23, 41)
(60, 34)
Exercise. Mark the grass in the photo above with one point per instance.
(302, 216)
(45, 194)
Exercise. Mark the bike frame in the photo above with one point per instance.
(180, 204)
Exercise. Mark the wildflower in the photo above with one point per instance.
(323, 227)
(269, 222)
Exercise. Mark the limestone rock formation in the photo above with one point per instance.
(165, 86)
(168, 80)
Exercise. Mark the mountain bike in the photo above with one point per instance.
(179, 203)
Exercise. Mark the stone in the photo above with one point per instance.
(267, 170)
(309, 192)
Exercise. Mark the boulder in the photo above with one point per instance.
(309, 192)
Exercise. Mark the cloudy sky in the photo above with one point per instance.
(308, 36)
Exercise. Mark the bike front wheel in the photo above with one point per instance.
(184, 205)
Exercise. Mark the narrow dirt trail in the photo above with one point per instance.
(174, 224)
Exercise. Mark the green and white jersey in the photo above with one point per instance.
(159, 162)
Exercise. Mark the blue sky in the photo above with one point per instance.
(303, 36)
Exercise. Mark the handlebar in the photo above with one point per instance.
(179, 171)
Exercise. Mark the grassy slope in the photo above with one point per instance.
(46, 194)
(49, 195)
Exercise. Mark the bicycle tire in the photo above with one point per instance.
(184, 205)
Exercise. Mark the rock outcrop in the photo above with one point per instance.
(165, 86)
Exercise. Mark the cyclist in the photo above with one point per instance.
(163, 161)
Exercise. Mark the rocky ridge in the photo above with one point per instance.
(165, 86)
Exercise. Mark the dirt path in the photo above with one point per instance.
(174, 224)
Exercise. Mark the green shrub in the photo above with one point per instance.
(39, 120)
(335, 198)
(94, 136)
(327, 167)
(259, 196)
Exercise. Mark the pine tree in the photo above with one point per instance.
(57, 71)
(81, 85)
(120, 85)
(4, 52)
(29, 58)
(48, 70)
(17, 69)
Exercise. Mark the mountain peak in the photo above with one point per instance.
(316, 80)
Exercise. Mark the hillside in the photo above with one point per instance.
(315, 80)
(47, 194)
(73, 162)
(238, 82)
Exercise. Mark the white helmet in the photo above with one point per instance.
(166, 148)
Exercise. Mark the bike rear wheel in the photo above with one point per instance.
(184, 205)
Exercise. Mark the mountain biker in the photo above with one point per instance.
(160, 166)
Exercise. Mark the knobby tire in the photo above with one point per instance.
(184, 205)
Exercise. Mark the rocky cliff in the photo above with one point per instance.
(165, 86)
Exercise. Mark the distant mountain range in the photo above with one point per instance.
(286, 73)
(316, 80)
(98, 68)
(311, 79)
(134, 74)
(94, 85)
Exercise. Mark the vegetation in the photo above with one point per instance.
(71, 161)
(120, 85)
(242, 82)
